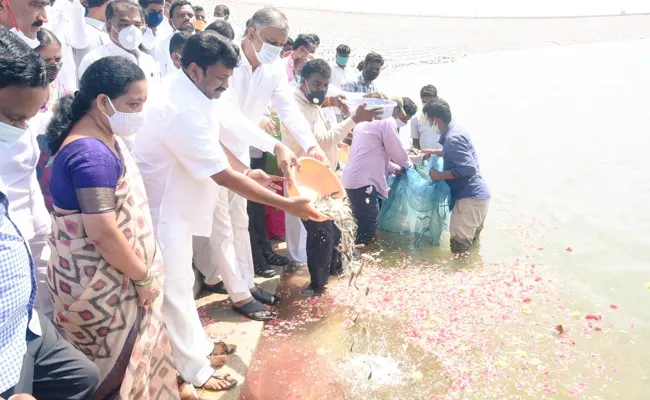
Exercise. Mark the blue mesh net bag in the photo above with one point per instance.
(416, 205)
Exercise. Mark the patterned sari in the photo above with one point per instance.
(95, 305)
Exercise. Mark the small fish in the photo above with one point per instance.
(352, 346)
(367, 290)
(354, 321)
(351, 278)
(370, 375)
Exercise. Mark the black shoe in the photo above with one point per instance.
(336, 272)
(218, 288)
(265, 271)
(276, 259)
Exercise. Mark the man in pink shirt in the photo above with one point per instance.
(376, 153)
(304, 46)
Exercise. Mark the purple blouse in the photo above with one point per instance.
(84, 177)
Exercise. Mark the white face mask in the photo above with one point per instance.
(32, 43)
(399, 122)
(268, 54)
(124, 124)
(10, 134)
(148, 39)
(130, 37)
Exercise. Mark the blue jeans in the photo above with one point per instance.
(365, 207)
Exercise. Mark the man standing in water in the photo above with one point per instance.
(462, 172)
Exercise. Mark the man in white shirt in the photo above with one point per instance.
(124, 23)
(340, 74)
(422, 134)
(155, 10)
(66, 21)
(181, 18)
(182, 165)
(96, 35)
(259, 79)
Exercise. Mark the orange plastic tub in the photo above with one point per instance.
(312, 180)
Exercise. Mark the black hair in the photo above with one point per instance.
(438, 108)
(222, 9)
(19, 64)
(207, 48)
(306, 39)
(222, 27)
(46, 37)
(198, 8)
(428, 91)
(111, 76)
(178, 40)
(145, 3)
(410, 108)
(374, 57)
(343, 50)
(361, 65)
(114, 5)
(289, 42)
(178, 3)
(96, 3)
(317, 66)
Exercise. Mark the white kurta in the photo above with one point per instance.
(177, 151)
(339, 77)
(421, 130)
(26, 204)
(66, 21)
(96, 36)
(144, 60)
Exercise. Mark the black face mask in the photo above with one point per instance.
(52, 70)
(370, 76)
(316, 97)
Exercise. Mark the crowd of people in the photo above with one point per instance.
(133, 141)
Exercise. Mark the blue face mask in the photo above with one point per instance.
(298, 79)
(9, 134)
(154, 19)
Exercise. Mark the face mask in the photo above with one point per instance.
(370, 76)
(148, 39)
(124, 124)
(316, 97)
(9, 134)
(298, 79)
(52, 71)
(130, 37)
(154, 19)
(199, 24)
(219, 18)
(399, 123)
(32, 43)
(268, 54)
(342, 61)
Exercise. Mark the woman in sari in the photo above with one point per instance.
(50, 51)
(105, 271)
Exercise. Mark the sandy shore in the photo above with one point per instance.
(404, 40)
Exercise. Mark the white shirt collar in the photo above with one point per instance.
(95, 23)
(118, 51)
(188, 87)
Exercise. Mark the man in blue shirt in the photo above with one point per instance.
(34, 358)
(462, 172)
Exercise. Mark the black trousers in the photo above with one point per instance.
(365, 207)
(323, 257)
(260, 244)
(53, 369)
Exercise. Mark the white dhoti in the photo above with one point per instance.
(296, 238)
(190, 345)
(227, 252)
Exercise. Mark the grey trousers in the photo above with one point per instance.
(54, 369)
(467, 221)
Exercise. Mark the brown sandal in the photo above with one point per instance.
(230, 383)
(221, 348)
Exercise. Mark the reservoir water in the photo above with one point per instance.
(554, 303)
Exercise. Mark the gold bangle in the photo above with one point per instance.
(147, 283)
(145, 278)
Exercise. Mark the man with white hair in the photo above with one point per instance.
(259, 78)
